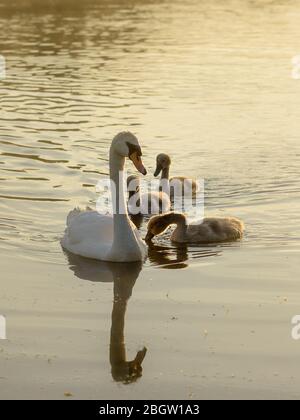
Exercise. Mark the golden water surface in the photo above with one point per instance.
(210, 83)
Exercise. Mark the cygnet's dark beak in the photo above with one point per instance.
(149, 237)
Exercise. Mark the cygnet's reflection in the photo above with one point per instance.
(167, 257)
(124, 276)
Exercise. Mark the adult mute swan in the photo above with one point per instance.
(109, 237)
(148, 203)
(180, 184)
(211, 230)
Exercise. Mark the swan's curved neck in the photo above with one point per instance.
(125, 243)
(116, 168)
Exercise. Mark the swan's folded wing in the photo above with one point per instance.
(88, 234)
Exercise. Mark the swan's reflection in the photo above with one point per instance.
(122, 370)
(124, 277)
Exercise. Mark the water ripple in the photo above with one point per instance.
(177, 74)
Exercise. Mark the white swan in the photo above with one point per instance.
(210, 230)
(180, 185)
(149, 203)
(109, 237)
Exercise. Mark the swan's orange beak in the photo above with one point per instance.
(138, 163)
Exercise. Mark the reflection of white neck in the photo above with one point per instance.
(125, 243)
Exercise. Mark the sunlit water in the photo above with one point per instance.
(207, 82)
(210, 83)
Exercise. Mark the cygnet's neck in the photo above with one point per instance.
(164, 185)
(165, 174)
(180, 221)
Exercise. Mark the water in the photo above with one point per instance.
(207, 82)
